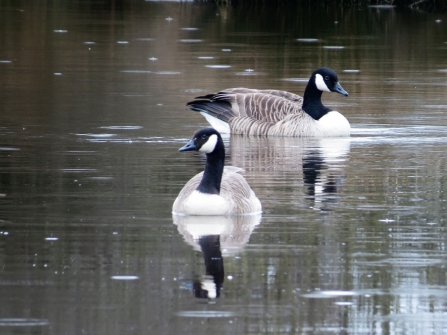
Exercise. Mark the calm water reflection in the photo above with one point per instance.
(352, 239)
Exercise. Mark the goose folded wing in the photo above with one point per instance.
(259, 106)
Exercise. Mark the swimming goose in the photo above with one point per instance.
(217, 190)
(276, 113)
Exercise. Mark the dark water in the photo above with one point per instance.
(353, 236)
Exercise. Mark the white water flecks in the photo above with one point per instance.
(125, 277)
(329, 294)
(205, 314)
(333, 47)
(9, 149)
(387, 220)
(97, 135)
(343, 303)
(297, 80)
(122, 127)
(168, 73)
(23, 322)
(307, 40)
(78, 170)
(218, 66)
(51, 238)
(190, 40)
(136, 71)
(101, 178)
(249, 72)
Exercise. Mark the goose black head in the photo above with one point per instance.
(326, 80)
(204, 140)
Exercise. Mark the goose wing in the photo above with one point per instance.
(283, 94)
(239, 194)
(268, 106)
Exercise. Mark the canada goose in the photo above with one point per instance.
(217, 190)
(276, 113)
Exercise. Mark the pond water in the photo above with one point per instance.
(353, 235)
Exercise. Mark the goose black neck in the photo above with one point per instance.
(312, 104)
(212, 176)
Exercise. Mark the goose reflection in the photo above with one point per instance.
(321, 161)
(323, 171)
(215, 237)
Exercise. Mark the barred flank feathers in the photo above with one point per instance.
(249, 126)
(263, 105)
(294, 125)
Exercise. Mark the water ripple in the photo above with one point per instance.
(307, 40)
(23, 322)
(329, 294)
(8, 149)
(190, 40)
(334, 47)
(218, 66)
(205, 314)
(125, 277)
(122, 127)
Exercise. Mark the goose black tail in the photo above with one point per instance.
(220, 109)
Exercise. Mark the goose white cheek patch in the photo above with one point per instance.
(321, 85)
(209, 145)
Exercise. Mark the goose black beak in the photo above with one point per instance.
(338, 89)
(190, 146)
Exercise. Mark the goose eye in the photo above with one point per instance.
(204, 136)
(326, 78)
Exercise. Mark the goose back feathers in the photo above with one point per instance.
(276, 113)
(218, 190)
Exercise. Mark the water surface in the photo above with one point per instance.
(352, 239)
